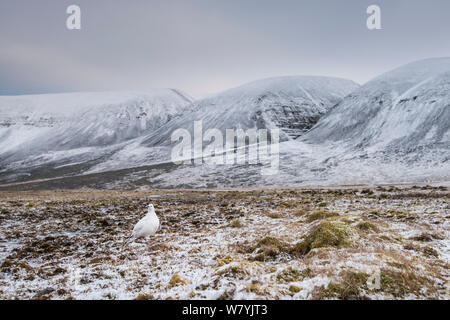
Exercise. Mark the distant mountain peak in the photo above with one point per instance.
(404, 108)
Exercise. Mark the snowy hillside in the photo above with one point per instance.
(38, 124)
(293, 104)
(394, 129)
(404, 109)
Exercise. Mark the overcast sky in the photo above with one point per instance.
(205, 46)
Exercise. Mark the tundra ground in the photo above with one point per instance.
(339, 243)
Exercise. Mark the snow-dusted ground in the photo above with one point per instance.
(225, 244)
(300, 164)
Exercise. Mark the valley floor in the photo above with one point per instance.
(389, 242)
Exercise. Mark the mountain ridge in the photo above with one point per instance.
(393, 129)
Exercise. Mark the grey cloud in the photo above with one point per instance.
(203, 46)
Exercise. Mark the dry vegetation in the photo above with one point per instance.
(275, 244)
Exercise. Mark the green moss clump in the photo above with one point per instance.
(401, 215)
(299, 212)
(274, 215)
(144, 296)
(396, 283)
(351, 288)
(294, 289)
(326, 234)
(31, 204)
(236, 223)
(400, 284)
(234, 270)
(176, 280)
(319, 215)
(225, 260)
(367, 226)
(271, 241)
(254, 287)
(292, 275)
(269, 247)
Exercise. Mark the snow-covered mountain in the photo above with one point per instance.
(393, 129)
(293, 104)
(37, 124)
(49, 136)
(405, 109)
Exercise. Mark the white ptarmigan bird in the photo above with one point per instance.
(147, 226)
